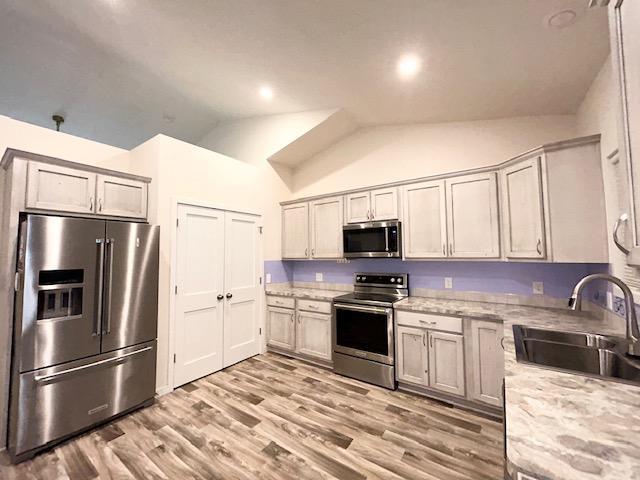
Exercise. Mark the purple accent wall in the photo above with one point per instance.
(488, 277)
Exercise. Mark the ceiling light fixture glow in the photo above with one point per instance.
(408, 66)
(266, 92)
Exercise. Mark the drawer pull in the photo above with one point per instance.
(428, 322)
(313, 307)
(44, 378)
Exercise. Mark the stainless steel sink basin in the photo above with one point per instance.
(583, 353)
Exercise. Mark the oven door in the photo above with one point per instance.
(374, 239)
(363, 331)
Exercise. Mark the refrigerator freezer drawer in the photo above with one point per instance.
(53, 403)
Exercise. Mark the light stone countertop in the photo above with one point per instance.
(306, 293)
(560, 426)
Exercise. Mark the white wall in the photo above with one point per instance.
(377, 155)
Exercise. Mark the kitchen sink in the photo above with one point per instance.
(583, 353)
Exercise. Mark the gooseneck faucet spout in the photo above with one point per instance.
(633, 331)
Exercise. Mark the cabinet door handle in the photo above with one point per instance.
(99, 204)
(91, 203)
(622, 219)
(298, 319)
(313, 252)
(424, 340)
(292, 318)
(430, 341)
(368, 215)
(306, 252)
(444, 250)
(502, 343)
(450, 248)
(539, 247)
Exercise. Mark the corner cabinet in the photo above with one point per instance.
(625, 39)
(295, 231)
(60, 188)
(523, 210)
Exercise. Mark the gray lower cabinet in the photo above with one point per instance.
(293, 328)
(281, 328)
(313, 335)
(446, 362)
(486, 365)
(411, 355)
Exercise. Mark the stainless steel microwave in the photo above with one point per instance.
(372, 240)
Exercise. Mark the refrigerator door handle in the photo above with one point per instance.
(44, 378)
(107, 303)
(98, 317)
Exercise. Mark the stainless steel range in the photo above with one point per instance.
(363, 338)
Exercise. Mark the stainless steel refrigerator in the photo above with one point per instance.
(85, 324)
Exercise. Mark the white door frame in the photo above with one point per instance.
(175, 202)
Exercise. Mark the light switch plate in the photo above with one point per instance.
(538, 288)
(448, 282)
(319, 276)
(268, 275)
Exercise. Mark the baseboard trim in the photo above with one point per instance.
(163, 390)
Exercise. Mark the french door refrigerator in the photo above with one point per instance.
(85, 324)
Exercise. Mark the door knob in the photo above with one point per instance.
(220, 297)
(229, 295)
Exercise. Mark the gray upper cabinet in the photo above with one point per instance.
(522, 210)
(295, 231)
(121, 197)
(53, 187)
(57, 187)
(624, 21)
(424, 220)
(372, 206)
(326, 227)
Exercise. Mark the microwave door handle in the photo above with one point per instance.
(386, 239)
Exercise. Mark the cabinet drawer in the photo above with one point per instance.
(282, 302)
(430, 321)
(314, 306)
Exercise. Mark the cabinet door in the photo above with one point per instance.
(412, 355)
(281, 328)
(425, 221)
(626, 51)
(295, 231)
(487, 362)
(313, 336)
(51, 187)
(522, 210)
(358, 207)
(326, 228)
(472, 216)
(446, 362)
(121, 197)
(384, 204)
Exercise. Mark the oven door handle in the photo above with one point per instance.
(362, 308)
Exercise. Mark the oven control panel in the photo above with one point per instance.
(394, 280)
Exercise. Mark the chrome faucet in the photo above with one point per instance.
(633, 331)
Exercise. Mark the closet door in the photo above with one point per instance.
(241, 287)
(425, 220)
(199, 312)
(472, 212)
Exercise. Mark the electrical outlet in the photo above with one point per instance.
(538, 288)
(319, 276)
(268, 275)
(448, 282)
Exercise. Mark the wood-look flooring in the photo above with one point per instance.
(272, 417)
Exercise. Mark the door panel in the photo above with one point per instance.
(358, 207)
(326, 228)
(472, 211)
(130, 314)
(384, 204)
(295, 231)
(281, 328)
(61, 271)
(200, 277)
(522, 209)
(95, 389)
(425, 220)
(241, 283)
(314, 335)
(446, 362)
(412, 356)
(121, 197)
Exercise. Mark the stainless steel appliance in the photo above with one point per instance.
(372, 239)
(362, 323)
(85, 325)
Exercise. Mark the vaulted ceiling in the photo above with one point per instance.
(123, 70)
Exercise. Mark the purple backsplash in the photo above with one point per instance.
(489, 277)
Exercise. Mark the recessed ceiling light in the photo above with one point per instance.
(562, 19)
(408, 66)
(266, 92)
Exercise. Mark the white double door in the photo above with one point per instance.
(217, 293)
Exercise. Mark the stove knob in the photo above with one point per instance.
(364, 278)
(393, 280)
(399, 280)
(358, 278)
